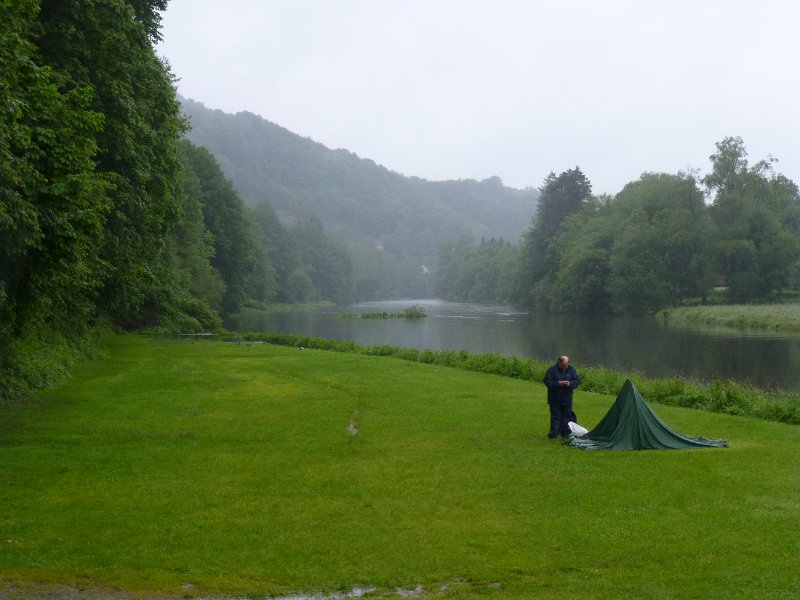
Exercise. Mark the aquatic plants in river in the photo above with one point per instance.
(412, 312)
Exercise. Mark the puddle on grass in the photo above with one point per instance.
(417, 592)
(354, 593)
(29, 591)
(351, 427)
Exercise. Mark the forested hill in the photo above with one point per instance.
(354, 198)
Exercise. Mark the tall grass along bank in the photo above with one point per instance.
(777, 317)
(178, 469)
(722, 395)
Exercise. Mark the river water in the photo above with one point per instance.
(646, 345)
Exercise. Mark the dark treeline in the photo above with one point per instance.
(664, 240)
(108, 216)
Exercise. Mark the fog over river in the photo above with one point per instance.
(647, 345)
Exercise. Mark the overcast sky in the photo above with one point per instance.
(457, 89)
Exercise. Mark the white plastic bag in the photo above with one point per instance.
(577, 430)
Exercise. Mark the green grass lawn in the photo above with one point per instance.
(183, 469)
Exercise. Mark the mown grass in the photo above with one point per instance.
(253, 469)
(781, 317)
(722, 396)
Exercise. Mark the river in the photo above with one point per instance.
(646, 345)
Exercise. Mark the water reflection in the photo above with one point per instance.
(646, 345)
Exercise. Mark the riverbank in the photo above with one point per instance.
(777, 317)
(644, 345)
(721, 396)
(172, 468)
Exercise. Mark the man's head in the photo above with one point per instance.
(563, 361)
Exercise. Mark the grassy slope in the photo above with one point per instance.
(231, 468)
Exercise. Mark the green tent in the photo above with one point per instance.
(631, 425)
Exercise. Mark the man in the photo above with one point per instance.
(560, 380)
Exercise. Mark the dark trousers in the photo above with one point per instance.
(560, 415)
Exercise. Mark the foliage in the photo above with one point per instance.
(657, 243)
(756, 216)
(235, 470)
(237, 258)
(191, 244)
(561, 196)
(476, 273)
(584, 268)
(379, 274)
(721, 396)
(358, 202)
(324, 260)
(309, 266)
(52, 207)
(412, 312)
(660, 253)
(107, 46)
(95, 224)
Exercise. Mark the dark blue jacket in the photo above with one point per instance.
(560, 393)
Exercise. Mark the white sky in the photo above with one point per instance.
(450, 89)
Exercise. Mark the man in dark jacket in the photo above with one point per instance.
(560, 380)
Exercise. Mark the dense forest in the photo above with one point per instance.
(664, 240)
(111, 217)
(108, 216)
(392, 224)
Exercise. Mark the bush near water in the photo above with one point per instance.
(722, 395)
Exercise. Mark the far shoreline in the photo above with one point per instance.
(784, 318)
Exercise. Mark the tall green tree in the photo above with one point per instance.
(238, 254)
(662, 245)
(52, 202)
(277, 243)
(107, 46)
(560, 196)
(756, 218)
(191, 244)
(646, 248)
(584, 265)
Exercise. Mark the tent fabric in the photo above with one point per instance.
(632, 425)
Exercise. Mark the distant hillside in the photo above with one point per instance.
(354, 198)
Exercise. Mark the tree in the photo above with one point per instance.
(309, 265)
(52, 206)
(756, 217)
(643, 249)
(106, 46)
(661, 252)
(275, 240)
(325, 261)
(238, 254)
(583, 272)
(191, 244)
(469, 272)
(560, 197)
